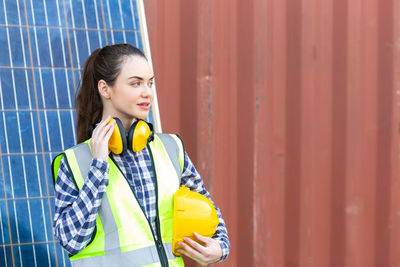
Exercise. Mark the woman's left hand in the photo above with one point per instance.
(206, 251)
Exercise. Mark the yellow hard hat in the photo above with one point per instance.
(193, 212)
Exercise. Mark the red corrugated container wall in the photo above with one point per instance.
(290, 111)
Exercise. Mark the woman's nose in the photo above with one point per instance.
(147, 90)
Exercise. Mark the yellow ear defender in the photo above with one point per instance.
(117, 142)
(139, 134)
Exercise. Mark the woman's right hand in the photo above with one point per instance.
(100, 137)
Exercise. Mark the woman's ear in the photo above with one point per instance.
(104, 89)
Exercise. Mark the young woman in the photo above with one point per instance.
(114, 209)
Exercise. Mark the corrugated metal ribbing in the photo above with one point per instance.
(290, 110)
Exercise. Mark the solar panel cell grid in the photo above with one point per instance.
(43, 46)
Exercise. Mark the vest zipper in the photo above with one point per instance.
(157, 237)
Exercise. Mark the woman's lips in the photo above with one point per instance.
(144, 105)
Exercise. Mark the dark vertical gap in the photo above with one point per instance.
(245, 132)
(385, 94)
(339, 128)
(188, 76)
(293, 131)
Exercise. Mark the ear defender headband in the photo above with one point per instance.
(140, 133)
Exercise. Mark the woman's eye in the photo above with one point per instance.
(151, 84)
(135, 84)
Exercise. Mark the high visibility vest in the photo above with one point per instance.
(123, 235)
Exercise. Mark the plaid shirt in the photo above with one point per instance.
(76, 211)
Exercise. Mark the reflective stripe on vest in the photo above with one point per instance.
(124, 236)
(135, 258)
(175, 152)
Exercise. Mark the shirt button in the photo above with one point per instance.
(139, 188)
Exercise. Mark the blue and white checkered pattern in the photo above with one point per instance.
(76, 212)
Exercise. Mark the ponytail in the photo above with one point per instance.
(88, 102)
(103, 64)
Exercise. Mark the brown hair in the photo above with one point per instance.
(103, 64)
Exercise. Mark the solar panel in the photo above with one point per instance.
(43, 46)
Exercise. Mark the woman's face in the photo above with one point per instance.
(132, 93)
